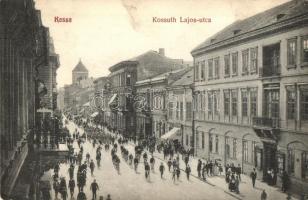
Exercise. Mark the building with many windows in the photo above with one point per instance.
(251, 92)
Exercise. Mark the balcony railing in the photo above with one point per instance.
(266, 122)
(270, 70)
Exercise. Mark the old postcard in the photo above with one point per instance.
(154, 99)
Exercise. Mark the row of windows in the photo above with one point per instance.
(121, 79)
(176, 110)
(249, 61)
(230, 102)
(292, 98)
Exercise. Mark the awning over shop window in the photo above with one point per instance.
(172, 134)
(94, 114)
(86, 104)
(112, 99)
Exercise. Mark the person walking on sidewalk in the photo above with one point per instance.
(92, 167)
(173, 175)
(169, 164)
(161, 169)
(94, 187)
(152, 162)
(71, 186)
(253, 176)
(263, 195)
(199, 168)
(178, 172)
(187, 170)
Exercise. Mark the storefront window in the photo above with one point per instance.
(227, 147)
(216, 144)
(281, 162)
(211, 143)
(245, 150)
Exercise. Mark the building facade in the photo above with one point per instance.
(250, 98)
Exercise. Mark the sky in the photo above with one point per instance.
(105, 32)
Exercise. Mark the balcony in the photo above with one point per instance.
(266, 122)
(270, 70)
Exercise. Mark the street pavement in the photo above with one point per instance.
(129, 185)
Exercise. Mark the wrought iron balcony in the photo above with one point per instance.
(270, 70)
(266, 122)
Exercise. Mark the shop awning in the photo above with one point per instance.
(94, 114)
(172, 134)
(86, 104)
(112, 99)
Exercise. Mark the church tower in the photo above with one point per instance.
(79, 73)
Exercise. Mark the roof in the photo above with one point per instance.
(185, 79)
(80, 67)
(261, 20)
(151, 64)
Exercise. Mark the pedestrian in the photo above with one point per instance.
(253, 176)
(81, 196)
(187, 170)
(147, 170)
(88, 156)
(56, 187)
(237, 184)
(263, 195)
(239, 171)
(92, 165)
(204, 172)
(136, 161)
(94, 187)
(199, 168)
(161, 169)
(169, 164)
(178, 172)
(108, 197)
(173, 175)
(71, 186)
(152, 162)
(285, 181)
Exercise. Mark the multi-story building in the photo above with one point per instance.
(25, 50)
(251, 91)
(179, 107)
(122, 81)
(80, 72)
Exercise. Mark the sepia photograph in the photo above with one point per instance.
(154, 99)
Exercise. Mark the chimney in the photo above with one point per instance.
(161, 51)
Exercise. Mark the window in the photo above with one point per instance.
(245, 150)
(234, 102)
(291, 161)
(188, 110)
(281, 162)
(202, 142)
(216, 144)
(170, 110)
(216, 102)
(211, 143)
(128, 79)
(245, 60)
(197, 139)
(304, 104)
(227, 65)
(210, 103)
(291, 100)
(253, 59)
(272, 103)
(197, 71)
(253, 102)
(226, 102)
(305, 49)
(234, 148)
(210, 63)
(216, 68)
(227, 147)
(234, 63)
(253, 151)
(244, 103)
(181, 111)
(202, 70)
(291, 51)
(186, 140)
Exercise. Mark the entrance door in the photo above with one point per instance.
(269, 163)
